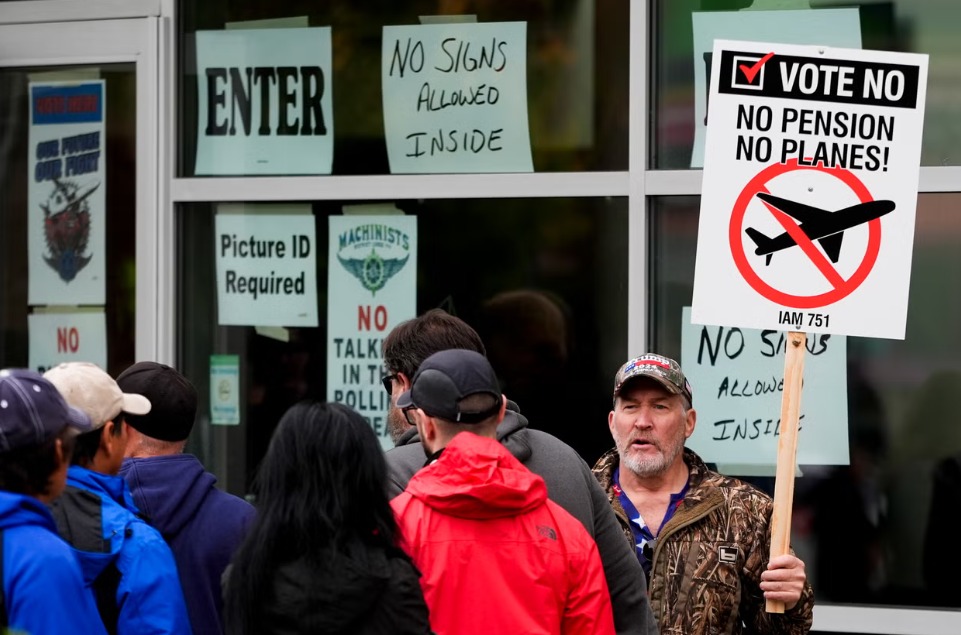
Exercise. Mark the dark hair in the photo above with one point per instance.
(411, 342)
(88, 443)
(321, 486)
(27, 470)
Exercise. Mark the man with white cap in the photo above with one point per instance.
(125, 561)
(41, 587)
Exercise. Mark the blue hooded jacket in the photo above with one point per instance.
(148, 598)
(202, 525)
(43, 590)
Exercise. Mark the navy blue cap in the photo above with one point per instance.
(447, 377)
(32, 410)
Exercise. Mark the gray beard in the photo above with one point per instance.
(644, 466)
(396, 423)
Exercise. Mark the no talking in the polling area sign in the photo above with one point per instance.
(810, 187)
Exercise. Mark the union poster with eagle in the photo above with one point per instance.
(66, 201)
(371, 288)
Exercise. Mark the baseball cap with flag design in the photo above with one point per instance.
(663, 370)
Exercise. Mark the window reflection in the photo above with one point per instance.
(577, 73)
(542, 280)
(916, 26)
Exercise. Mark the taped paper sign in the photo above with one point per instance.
(66, 202)
(827, 27)
(266, 265)
(265, 102)
(225, 390)
(79, 336)
(455, 97)
(373, 274)
(737, 377)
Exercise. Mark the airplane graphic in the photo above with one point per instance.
(818, 224)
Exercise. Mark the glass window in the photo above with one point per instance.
(577, 65)
(65, 232)
(917, 26)
(542, 280)
(875, 531)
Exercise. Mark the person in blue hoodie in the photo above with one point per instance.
(202, 524)
(125, 561)
(42, 590)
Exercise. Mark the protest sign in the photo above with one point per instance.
(66, 209)
(807, 206)
(372, 271)
(455, 97)
(266, 265)
(810, 188)
(265, 102)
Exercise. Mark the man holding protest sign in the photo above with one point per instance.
(669, 504)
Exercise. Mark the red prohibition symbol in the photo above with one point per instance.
(842, 287)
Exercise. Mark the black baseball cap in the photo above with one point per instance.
(447, 377)
(173, 397)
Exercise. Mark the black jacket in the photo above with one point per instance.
(365, 592)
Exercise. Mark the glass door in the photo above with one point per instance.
(79, 204)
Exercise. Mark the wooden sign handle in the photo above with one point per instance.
(787, 452)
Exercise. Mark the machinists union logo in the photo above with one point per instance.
(66, 227)
(358, 254)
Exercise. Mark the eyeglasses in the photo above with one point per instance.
(407, 414)
(388, 381)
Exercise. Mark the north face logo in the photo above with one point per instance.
(546, 532)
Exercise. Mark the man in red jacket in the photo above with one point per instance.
(496, 555)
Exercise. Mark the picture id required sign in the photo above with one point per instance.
(810, 188)
(266, 265)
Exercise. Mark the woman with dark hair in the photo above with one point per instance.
(321, 556)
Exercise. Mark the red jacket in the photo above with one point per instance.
(496, 555)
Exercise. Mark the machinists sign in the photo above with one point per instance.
(372, 286)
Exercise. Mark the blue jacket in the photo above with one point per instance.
(43, 590)
(202, 525)
(97, 515)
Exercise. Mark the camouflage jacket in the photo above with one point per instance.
(709, 557)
